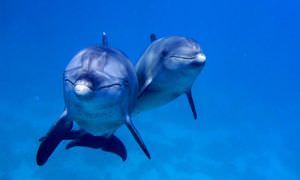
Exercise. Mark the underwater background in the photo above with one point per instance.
(247, 96)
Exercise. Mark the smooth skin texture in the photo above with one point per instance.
(168, 69)
(100, 92)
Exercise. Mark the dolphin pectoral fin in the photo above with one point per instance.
(153, 37)
(42, 138)
(74, 134)
(110, 144)
(144, 87)
(191, 102)
(136, 136)
(52, 139)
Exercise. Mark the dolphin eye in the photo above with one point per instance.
(126, 82)
(164, 53)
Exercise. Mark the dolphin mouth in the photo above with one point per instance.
(183, 57)
(86, 91)
(109, 86)
(199, 57)
(88, 86)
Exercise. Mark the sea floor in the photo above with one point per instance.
(181, 148)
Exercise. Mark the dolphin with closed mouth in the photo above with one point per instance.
(100, 92)
(168, 69)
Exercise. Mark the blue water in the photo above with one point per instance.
(247, 96)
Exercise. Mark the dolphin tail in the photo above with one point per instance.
(136, 136)
(53, 138)
(191, 102)
(110, 144)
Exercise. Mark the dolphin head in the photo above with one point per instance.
(93, 86)
(88, 82)
(183, 54)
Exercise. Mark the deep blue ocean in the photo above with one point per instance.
(247, 96)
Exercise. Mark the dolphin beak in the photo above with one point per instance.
(82, 88)
(201, 57)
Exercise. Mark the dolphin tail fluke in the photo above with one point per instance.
(191, 102)
(52, 139)
(136, 136)
(110, 144)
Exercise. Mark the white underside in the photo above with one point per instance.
(100, 122)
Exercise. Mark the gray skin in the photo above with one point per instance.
(100, 92)
(166, 70)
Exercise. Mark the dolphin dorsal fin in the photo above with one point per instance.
(104, 39)
(153, 37)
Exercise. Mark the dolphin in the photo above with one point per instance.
(100, 91)
(166, 70)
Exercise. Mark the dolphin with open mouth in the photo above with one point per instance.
(100, 92)
(166, 70)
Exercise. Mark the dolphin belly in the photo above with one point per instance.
(154, 99)
(156, 95)
(99, 127)
(99, 122)
(162, 90)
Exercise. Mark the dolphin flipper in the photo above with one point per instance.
(55, 135)
(191, 102)
(144, 87)
(110, 144)
(136, 136)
